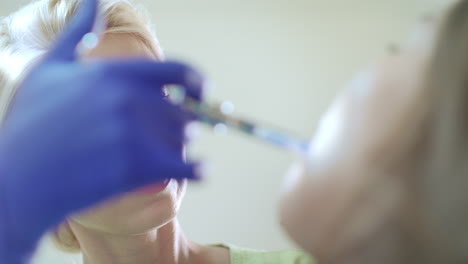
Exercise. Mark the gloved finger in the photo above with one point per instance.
(180, 171)
(159, 122)
(161, 73)
(168, 131)
(150, 106)
(81, 24)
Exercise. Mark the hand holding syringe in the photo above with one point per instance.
(212, 115)
(220, 114)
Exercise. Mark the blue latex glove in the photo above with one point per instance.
(78, 133)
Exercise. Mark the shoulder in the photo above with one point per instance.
(240, 255)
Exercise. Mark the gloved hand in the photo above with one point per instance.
(78, 133)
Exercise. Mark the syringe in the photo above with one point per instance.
(221, 114)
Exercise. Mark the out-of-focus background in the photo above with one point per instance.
(279, 61)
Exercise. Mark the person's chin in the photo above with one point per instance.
(146, 221)
(156, 214)
(137, 212)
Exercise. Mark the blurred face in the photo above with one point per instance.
(349, 189)
(149, 207)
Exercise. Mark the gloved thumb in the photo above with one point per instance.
(82, 23)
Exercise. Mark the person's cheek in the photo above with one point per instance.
(318, 188)
(307, 209)
(328, 138)
(292, 177)
(291, 205)
(298, 204)
(340, 129)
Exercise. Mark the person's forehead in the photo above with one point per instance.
(120, 45)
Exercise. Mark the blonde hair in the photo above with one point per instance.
(27, 35)
(442, 187)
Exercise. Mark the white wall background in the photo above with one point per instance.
(280, 61)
